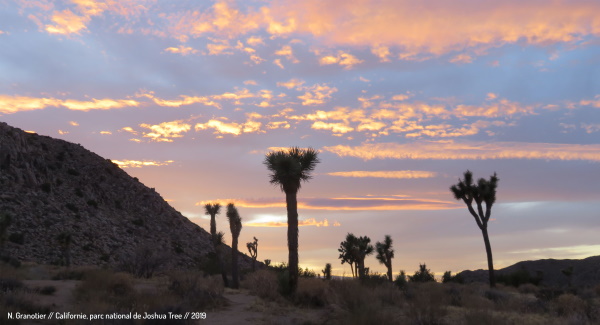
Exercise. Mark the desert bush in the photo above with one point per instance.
(194, 291)
(448, 277)
(144, 262)
(264, 284)
(311, 292)
(427, 306)
(10, 284)
(104, 291)
(423, 274)
(528, 288)
(518, 278)
(72, 273)
(17, 238)
(483, 316)
(401, 280)
(568, 305)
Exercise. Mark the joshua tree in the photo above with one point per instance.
(347, 254)
(327, 271)
(64, 241)
(253, 249)
(363, 249)
(385, 253)
(5, 221)
(235, 224)
(267, 262)
(288, 169)
(218, 242)
(212, 209)
(482, 192)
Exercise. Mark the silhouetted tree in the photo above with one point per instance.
(212, 209)
(267, 262)
(422, 275)
(347, 254)
(327, 271)
(219, 242)
(217, 238)
(253, 249)
(363, 249)
(235, 224)
(482, 192)
(5, 222)
(288, 169)
(385, 253)
(64, 242)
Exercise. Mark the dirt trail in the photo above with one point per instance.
(247, 309)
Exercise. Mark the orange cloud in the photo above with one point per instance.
(164, 132)
(140, 163)
(307, 222)
(401, 174)
(66, 22)
(371, 203)
(334, 127)
(469, 150)
(183, 50)
(13, 104)
(344, 59)
(292, 83)
(317, 94)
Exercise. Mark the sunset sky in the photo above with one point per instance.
(400, 98)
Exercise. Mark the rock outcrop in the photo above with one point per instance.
(51, 187)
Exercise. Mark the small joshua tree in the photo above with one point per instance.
(253, 250)
(235, 224)
(482, 192)
(363, 249)
(327, 271)
(347, 254)
(385, 253)
(212, 209)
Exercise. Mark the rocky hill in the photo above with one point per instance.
(53, 188)
(586, 272)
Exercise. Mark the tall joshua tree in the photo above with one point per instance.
(288, 169)
(385, 253)
(482, 192)
(253, 250)
(213, 209)
(363, 249)
(235, 224)
(347, 252)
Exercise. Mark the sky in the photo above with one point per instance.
(399, 97)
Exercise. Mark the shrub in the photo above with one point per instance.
(568, 304)
(517, 278)
(311, 292)
(422, 275)
(401, 280)
(448, 277)
(263, 283)
(143, 262)
(72, 207)
(93, 203)
(194, 291)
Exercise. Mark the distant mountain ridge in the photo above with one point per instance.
(51, 186)
(586, 272)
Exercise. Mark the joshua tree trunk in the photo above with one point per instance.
(234, 264)
(221, 266)
(389, 273)
(488, 250)
(292, 219)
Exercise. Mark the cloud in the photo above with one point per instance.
(13, 104)
(400, 174)
(181, 49)
(469, 150)
(140, 163)
(288, 53)
(220, 127)
(301, 223)
(358, 203)
(292, 83)
(344, 59)
(66, 22)
(334, 127)
(164, 132)
(317, 94)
